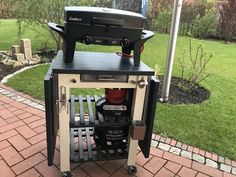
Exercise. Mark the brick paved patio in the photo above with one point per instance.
(23, 151)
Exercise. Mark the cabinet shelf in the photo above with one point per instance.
(79, 117)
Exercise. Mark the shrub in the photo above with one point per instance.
(163, 20)
(204, 25)
(196, 71)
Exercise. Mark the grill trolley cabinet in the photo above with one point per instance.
(77, 139)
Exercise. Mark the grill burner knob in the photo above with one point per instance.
(125, 42)
(88, 40)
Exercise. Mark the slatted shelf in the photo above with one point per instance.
(86, 149)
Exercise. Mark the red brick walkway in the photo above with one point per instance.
(23, 152)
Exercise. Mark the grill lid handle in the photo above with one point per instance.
(57, 28)
(107, 21)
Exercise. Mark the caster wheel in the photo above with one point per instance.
(67, 174)
(132, 170)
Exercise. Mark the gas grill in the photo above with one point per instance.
(102, 26)
(99, 127)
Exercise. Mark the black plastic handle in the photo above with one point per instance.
(147, 35)
(57, 28)
(107, 21)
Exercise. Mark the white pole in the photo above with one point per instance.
(171, 49)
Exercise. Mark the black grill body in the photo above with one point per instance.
(102, 26)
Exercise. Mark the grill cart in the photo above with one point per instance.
(99, 127)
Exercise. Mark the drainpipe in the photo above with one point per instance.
(171, 49)
(114, 4)
(144, 7)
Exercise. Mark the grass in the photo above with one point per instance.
(210, 125)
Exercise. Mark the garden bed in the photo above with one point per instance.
(179, 96)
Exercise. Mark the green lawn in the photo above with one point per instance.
(210, 125)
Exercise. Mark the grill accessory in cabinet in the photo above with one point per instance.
(102, 26)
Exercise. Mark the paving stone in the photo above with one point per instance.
(196, 150)
(4, 144)
(45, 170)
(202, 175)
(177, 159)
(25, 131)
(5, 171)
(225, 167)
(202, 152)
(78, 172)
(141, 160)
(28, 163)
(208, 155)
(186, 154)
(143, 172)
(94, 170)
(19, 142)
(214, 157)
(30, 173)
(156, 152)
(184, 146)
(175, 150)
(8, 134)
(228, 161)
(190, 148)
(31, 119)
(154, 143)
(162, 139)
(11, 126)
(11, 156)
(234, 171)
(155, 164)
(221, 159)
(157, 137)
(40, 129)
(164, 147)
(173, 143)
(198, 158)
(33, 149)
(187, 172)
(2, 122)
(122, 172)
(206, 169)
(153, 136)
(5, 114)
(211, 163)
(234, 163)
(37, 123)
(179, 144)
(168, 141)
(225, 174)
(164, 173)
(174, 167)
(113, 165)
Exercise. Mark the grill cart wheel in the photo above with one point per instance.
(132, 170)
(67, 174)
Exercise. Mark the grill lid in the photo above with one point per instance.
(103, 16)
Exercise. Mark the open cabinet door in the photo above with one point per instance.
(149, 115)
(51, 95)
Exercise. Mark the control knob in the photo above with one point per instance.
(88, 40)
(125, 42)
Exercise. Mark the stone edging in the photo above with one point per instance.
(166, 144)
(5, 79)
